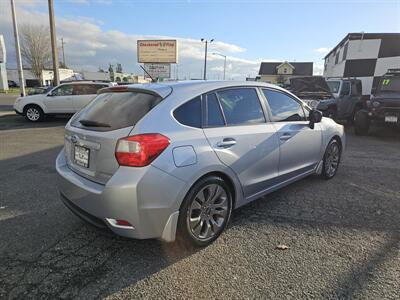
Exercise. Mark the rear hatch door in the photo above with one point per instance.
(92, 134)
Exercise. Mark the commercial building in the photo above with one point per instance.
(366, 56)
(46, 78)
(281, 72)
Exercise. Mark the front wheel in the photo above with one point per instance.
(34, 113)
(331, 159)
(205, 212)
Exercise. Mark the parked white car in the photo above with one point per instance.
(67, 98)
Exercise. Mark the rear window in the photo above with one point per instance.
(189, 114)
(110, 111)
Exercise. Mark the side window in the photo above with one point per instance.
(345, 88)
(214, 114)
(283, 107)
(241, 106)
(85, 89)
(64, 90)
(189, 113)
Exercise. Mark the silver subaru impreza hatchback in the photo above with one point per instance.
(171, 161)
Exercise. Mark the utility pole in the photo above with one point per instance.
(18, 51)
(56, 78)
(205, 57)
(63, 53)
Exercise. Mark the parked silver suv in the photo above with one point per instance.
(173, 160)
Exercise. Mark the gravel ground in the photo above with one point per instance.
(343, 235)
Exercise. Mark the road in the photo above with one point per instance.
(343, 235)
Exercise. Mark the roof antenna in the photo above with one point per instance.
(152, 79)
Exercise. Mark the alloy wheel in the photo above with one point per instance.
(33, 114)
(332, 159)
(208, 212)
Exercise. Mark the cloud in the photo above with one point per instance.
(88, 47)
(322, 50)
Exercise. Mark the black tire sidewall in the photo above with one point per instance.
(326, 176)
(41, 113)
(183, 232)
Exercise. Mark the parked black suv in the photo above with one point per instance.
(384, 105)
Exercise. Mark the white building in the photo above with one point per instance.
(47, 77)
(366, 56)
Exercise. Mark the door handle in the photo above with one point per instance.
(285, 137)
(226, 143)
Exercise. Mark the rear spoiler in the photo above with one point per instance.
(156, 90)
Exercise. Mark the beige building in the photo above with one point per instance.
(281, 72)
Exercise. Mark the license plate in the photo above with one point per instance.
(391, 119)
(81, 156)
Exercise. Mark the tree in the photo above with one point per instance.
(61, 65)
(111, 71)
(35, 48)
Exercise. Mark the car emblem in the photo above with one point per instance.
(74, 139)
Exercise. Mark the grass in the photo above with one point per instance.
(14, 91)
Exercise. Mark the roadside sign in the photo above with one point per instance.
(158, 70)
(157, 51)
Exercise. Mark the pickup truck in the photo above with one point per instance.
(338, 99)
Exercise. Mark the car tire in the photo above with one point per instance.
(204, 213)
(34, 113)
(361, 123)
(331, 160)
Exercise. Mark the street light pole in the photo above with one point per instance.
(205, 57)
(224, 56)
(56, 78)
(63, 53)
(18, 51)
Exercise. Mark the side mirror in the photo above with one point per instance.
(315, 116)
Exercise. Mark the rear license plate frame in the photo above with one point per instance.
(81, 156)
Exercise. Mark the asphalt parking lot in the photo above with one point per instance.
(343, 235)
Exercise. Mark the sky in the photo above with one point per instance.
(99, 32)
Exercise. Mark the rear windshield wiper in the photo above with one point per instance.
(90, 123)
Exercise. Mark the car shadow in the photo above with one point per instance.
(13, 121)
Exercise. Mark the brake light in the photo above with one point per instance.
(140, 150)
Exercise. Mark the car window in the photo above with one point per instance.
(283, 107)
(110, 111)
(189, 114)
(64, 90)
(241, 106)
(345, 88)
(214, 114)
(334, 86)
(86, 89)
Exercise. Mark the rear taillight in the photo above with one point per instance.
(140, 150)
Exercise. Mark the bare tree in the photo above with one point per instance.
(35, 48)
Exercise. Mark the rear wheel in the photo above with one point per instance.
(361, 123)
(331, 159)
(205, 212)
(34, 113)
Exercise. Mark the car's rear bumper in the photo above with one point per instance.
(147, 198)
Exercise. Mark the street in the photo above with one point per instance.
(343, 235)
